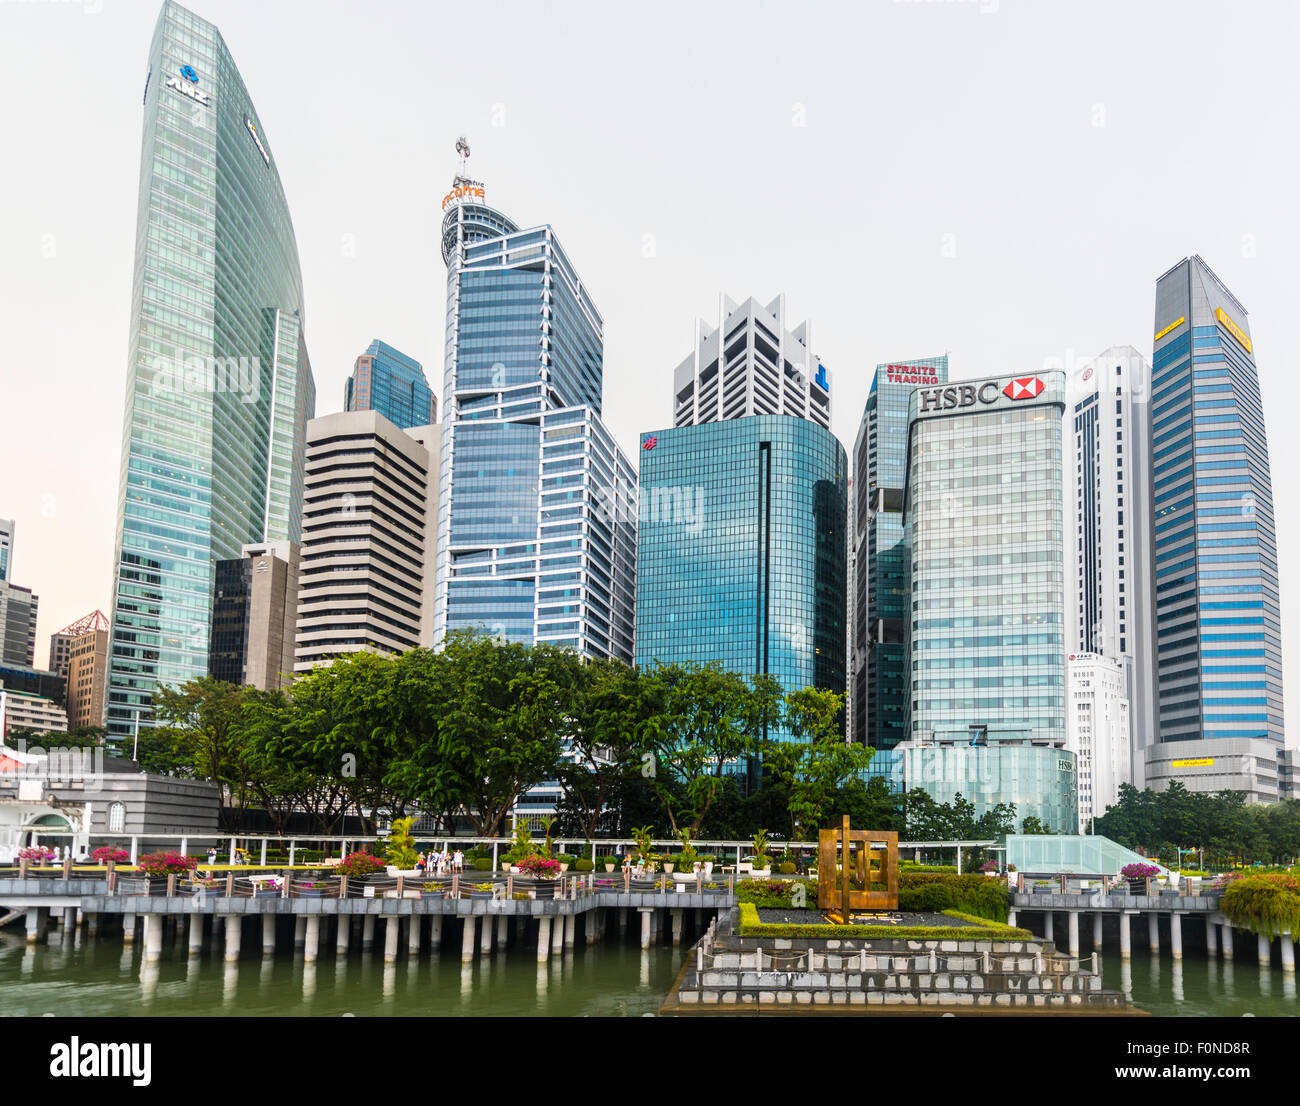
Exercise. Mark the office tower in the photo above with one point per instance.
(386, 380)
(742, 549)
(60, 649)
(537, 518)
(983, 531)
(742, 544)
(22, 711)
(366, 524)
(1097, 730)
(87, 669)
(878, 684)
(255, 615)
(18, 608)
(1218, 622)
(219, 388)
(750, 364)
(7, 526)
(1110, 603)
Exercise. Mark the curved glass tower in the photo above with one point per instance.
(219, 388)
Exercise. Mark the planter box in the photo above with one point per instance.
(1137, 887)
(266, 893)
(480, 894)
(310, 892)
(430, 894)
(1044, 890)
(544, 891)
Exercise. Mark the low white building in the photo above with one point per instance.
(1097, 730)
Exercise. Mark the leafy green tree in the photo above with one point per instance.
(1033, 825)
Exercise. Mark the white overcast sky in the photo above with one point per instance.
(1000, 179)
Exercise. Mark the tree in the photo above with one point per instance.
(200, 721)
(815, 762)
(1033, 825)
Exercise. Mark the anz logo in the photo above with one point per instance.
(187, 85)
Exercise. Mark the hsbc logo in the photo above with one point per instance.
(1026, 387)
(967, 395)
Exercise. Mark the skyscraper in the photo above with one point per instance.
(750, 364)
(1218, 622)
(982, 523)
(362, 577)
(386, 380)
(879, 681)
(255, 615)
(537, 519)
(219, 388)
(1110, 601)
(742, 543)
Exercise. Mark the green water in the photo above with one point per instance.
(105, 977)
(614, 978)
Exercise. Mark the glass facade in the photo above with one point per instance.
(880, 585)
(386, 380)
(537, 504)
(1218, 623)
(742, 550)
(984, 539)
(1039, 781)
(219, 387)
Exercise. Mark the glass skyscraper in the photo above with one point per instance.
(537, 504)
(386, 380)
(983, 532)
(880, 586)
(742, 549)
(1218, 627)
(219, 388)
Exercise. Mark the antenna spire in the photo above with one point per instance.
(462, 148)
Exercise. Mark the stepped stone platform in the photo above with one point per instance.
(729, 974)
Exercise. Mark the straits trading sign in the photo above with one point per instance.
(911, 374)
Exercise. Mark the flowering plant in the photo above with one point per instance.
(482, 887)
(36, 853)
(542, 867)
(165, 864)
(1139, 871)
(110, 854)
(432, 886)
(361, 864)
(989, 866)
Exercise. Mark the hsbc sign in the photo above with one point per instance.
(987, 393)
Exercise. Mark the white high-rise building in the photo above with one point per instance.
(368, 519)
(1097, 730)
(1110, 599)
(750, 364)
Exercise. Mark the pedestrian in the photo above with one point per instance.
(419, 863)
(458, 862)
(212, 855)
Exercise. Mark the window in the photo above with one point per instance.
(116, 817)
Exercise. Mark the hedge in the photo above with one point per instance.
(1268, 905)
(751, 926)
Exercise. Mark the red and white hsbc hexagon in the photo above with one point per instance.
(1024, 387)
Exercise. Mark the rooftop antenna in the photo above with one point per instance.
(462, 148)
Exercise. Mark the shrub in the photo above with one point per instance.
(165, 864)
(37, 854)
(540, 867)
(110, 853)
(751, 926)
(776, 894)
(787, 868)
(360, 864)
(931, 898)
(482, 863)
(1268, 905)
(1139, 871)
(582, 864)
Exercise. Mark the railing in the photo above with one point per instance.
(868, 960)
(1072, 884)
(287, 883)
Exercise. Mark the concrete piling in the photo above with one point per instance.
(311, 947)
(232, 937)
(1125, 936)
(543, 938)
(467, 940)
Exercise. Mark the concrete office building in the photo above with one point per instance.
(537, 503)
(878, 679)
(1109, 584)
(219, 387)
(982, 524)
(255, 615)
(1097, 728)
(386, 380)
(750, 364)
(1218, 618)
(366, 525)
(22, 711)
(83, 647)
